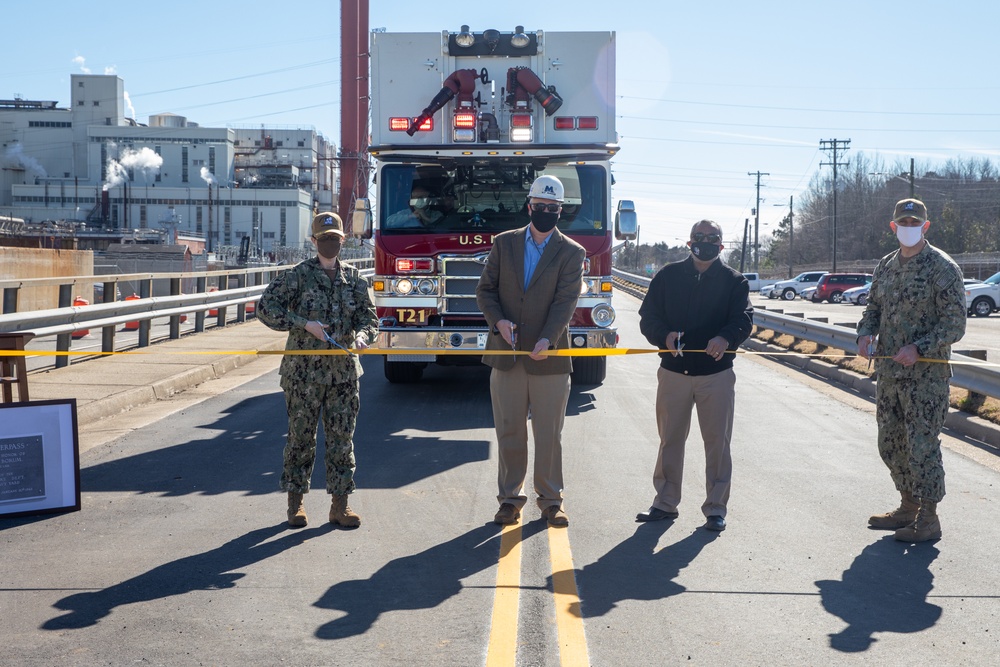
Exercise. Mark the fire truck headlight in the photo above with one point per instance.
(603, 315)
(404, 286)
(426, 287)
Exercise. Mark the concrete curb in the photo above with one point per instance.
(960, 422)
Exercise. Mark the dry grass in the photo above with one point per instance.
(983, 407)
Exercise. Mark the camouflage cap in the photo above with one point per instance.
(327, 223)
(910, 208)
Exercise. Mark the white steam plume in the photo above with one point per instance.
(14, 158)
(129, 109)
(208, 176)
(82, 63)
(145, 160)
(116, 174)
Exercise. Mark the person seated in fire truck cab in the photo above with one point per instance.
(419, 213)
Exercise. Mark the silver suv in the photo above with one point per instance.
(789, 289)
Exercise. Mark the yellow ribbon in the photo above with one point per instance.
(578, 352)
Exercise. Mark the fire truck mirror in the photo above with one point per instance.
(626, 222)
(362, 220)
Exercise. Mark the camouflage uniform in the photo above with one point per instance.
(316, 384)
(921, 301)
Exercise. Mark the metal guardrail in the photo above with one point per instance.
(630, 277)
(975, 378)
(62, 322)
(968, 375)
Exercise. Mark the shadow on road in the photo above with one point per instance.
(420, 581)
(247, 445)
(211, 570)
(632, 571)
(884, 590)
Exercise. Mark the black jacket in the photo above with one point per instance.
(703, 306)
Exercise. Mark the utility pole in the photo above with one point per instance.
(756, 222)
(911, 178)
(834, 145)
(791, 235)
(743, 254)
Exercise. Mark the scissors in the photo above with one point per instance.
(678, 345)
(331, 341)
(871, 351)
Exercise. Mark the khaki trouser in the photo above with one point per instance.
(513, 392)
(714, 396)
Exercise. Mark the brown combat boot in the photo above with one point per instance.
(925, 527)
(902, 516)
(341, 514)
(296, 510)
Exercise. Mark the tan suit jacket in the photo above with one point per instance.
(544, 310)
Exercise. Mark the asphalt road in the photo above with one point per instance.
(180, 555)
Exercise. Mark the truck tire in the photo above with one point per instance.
(403, 372)
(982, 306)
(788, 294)
(589, 370)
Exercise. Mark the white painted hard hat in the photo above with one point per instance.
(547, 187)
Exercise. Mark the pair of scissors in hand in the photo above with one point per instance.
(871, 351)
(678, 345)
(331, 341)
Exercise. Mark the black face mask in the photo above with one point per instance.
(704, 250)
(329, 248)
(544, 221)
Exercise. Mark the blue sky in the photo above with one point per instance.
(707, 92)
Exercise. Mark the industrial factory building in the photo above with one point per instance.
(91, 167)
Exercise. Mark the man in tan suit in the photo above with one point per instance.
(528, 293)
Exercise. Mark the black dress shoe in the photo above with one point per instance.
(715, 522)
(655, 514)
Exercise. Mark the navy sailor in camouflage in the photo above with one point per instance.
(318, 297)
(916, 308)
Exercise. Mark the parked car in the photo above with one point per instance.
(857, 295)
(789, 289)
(807, 293)
(831, 287)
(766, 290)
(983, 298)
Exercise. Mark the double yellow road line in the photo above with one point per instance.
(502, 649)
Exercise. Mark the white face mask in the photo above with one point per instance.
(909, 236)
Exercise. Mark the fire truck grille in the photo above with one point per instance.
(460, 277)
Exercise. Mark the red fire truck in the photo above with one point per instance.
(462, 123)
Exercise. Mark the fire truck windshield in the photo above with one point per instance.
(490, 198)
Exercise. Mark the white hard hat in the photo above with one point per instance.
(547, 187)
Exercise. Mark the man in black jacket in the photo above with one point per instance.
(702, 305)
